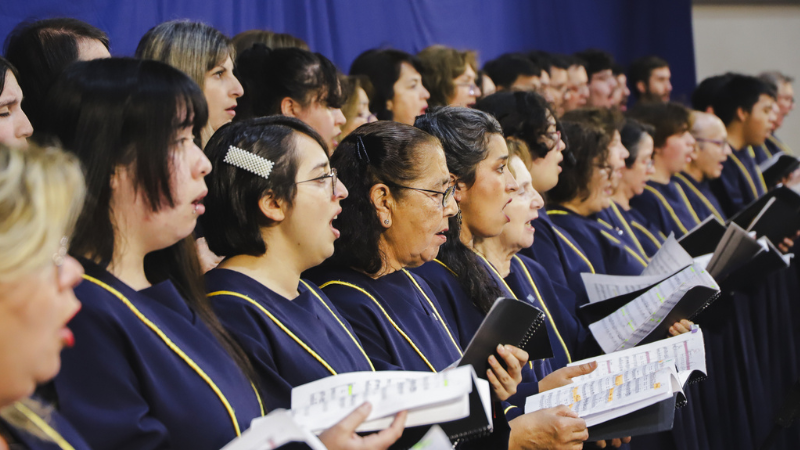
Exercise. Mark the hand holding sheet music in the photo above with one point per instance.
(272, 431)
(601, 399)
(632, 323)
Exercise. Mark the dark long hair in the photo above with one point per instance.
(233, 219)
(126, 112)
(270, 75)
(464, 134)
(388, 152)
(6, 67)
(41, 50)
(589, 143)
(522, 115)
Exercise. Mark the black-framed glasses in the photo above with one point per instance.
(331, 175)
(446, 195)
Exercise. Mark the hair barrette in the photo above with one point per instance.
(249, 162)
(361, 150)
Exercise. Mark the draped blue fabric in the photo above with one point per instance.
(342, 29)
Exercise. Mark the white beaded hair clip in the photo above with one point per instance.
(249, 162)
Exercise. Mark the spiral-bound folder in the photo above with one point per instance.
(510, 321)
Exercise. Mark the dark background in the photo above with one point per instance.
(341, 29)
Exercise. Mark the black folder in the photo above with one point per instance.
(775, 219)
(475, 425)
(753, 272)
(703, 239)
(778, 167)
(510, 321)
(652, 419)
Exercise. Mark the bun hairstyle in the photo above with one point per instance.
(378, 152)
(233, 220)
(270, 75)
(464, 134)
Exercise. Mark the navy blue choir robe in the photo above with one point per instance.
(465, 317)
(607, 253)
(396, 317)
(400, 322)
(700, 195)
(570, 339)
(55, 425)
(650, 237)
(741, 181)
(561, 255)
(773, 146)
(635, 235)
(123, 387)
(279, 360)
(667, 207)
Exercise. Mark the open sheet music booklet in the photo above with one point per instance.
(602, 399)
(775, 215)
(455, 398)
(643, 315)
(272, 431)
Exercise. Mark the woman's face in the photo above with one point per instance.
(221, 89)
(524, 207)
(676, 152)
(161, 229)
(34, 311)
(362, 115)
(482, 204)
(15, 128)
(545, 171)
(418, 220)
(600, 188)
(410, 96)
(466, 92)
(308, 222)
(635, 177)
(323, 119)
(617, 154)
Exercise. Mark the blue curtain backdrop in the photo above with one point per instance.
(341, 29)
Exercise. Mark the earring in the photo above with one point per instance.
(458, 217)
(386, 221)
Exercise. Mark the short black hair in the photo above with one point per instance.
(382, 67)
(595, 61)
(270, 75)
(668, 119)
(642, 68)
(233, 220)
(523, 115)
(741, 91)
(541, 58)
(631, 136)
(378, 152)
(704, 94)
(587, 143)
(40, 51)
(505, 69)
(559, 61)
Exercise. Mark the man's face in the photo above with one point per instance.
(785, 102)
(758, 123)
(601, 89)
(659, 85)
(577, 88)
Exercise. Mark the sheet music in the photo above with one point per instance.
(687, 351)
(320, 404)
(670, 258)
(601, 287)
(631, 323)
(643, 385)
(272, 431)
(434, 439)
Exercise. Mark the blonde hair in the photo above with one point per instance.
(41, 195)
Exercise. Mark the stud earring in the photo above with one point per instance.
(386, 221)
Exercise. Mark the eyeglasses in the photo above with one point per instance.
(446, 195)
(473, 89)
(331, 175)
(554, 138)
(721, 143)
